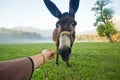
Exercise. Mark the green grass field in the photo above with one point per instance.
(90, 61)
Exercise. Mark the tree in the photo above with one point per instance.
(104, 24)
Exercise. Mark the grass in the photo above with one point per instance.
(90, 61)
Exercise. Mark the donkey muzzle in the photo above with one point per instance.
(65, 42)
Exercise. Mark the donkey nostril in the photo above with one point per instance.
(62, 34)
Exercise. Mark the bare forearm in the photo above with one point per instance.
(42, 58)
(38, 60)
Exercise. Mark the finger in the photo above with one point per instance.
(52, 56)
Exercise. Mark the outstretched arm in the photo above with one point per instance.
(22, 69)
(42, 58)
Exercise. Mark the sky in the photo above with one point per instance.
(33, 13)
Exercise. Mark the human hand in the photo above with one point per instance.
(48, 54)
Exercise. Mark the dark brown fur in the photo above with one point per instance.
(66, 23)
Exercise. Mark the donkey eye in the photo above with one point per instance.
(58, 25)
(74, 23)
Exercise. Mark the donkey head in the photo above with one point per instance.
(64, 33)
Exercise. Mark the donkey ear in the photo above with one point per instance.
(73, 6)
(52, 8)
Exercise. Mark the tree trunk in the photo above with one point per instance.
(109, 38)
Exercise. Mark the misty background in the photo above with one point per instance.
(34, 35)
(30, 21)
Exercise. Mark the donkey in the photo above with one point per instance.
(64, 33)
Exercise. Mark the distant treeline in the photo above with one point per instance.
(17, 35)
(95, 37)
(11, 35)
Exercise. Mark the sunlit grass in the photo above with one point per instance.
(90, 61)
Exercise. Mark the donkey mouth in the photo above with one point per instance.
(65, 53)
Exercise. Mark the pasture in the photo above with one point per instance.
(90, 61)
